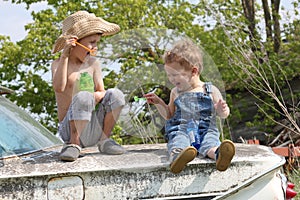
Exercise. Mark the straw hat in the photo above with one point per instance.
(82, 24)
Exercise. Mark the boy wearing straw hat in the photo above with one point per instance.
(87, 112)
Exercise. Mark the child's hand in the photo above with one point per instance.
(70, 43)
(99, 96)
(222, 108)
(152, 98)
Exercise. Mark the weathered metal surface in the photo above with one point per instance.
(67, 187)
(266, 186)
(140, 173)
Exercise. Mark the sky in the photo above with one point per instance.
(13, 17)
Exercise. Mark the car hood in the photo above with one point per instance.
(46, 162)
(154, 156)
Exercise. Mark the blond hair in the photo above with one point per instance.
(186, 53)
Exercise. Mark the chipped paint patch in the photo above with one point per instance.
(66, 187)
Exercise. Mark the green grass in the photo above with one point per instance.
(294, 177)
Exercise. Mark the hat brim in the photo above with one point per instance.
(85, 28)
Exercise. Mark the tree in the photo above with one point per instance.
(225, 29)
(258, 66)
(24, 73)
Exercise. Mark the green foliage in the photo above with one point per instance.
(218, 26)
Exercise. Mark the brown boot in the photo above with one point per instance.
(181, 157)
(224, 155)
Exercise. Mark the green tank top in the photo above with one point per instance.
(86, 82)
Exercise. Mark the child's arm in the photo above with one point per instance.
(98, 81)
(59, 67)
(220, 105)
(166, 111)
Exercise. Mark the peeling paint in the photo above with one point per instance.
(67, 187)
(143, 172)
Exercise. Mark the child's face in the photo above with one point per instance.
(90, 42)
(178, 76)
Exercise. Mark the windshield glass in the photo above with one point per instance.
(20, 133)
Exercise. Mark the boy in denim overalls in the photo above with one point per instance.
(192, 101)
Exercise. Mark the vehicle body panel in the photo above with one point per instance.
(30, 169)
(143, 172)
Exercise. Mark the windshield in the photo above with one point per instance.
(20, 133)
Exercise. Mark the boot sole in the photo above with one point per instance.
(226, 153)
(186, 156)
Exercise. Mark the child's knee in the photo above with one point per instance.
(84, 99)
(82, 105)
(116, 97)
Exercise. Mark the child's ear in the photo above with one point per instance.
(195, 71)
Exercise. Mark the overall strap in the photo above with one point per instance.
(208, 86)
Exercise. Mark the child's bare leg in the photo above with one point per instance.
(107, 145)
(110, 120)
(72, 151)
(211, 153)
(76, 128)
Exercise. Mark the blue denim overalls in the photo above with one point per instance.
(195, 106)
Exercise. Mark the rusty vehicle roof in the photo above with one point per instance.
(148, 156)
